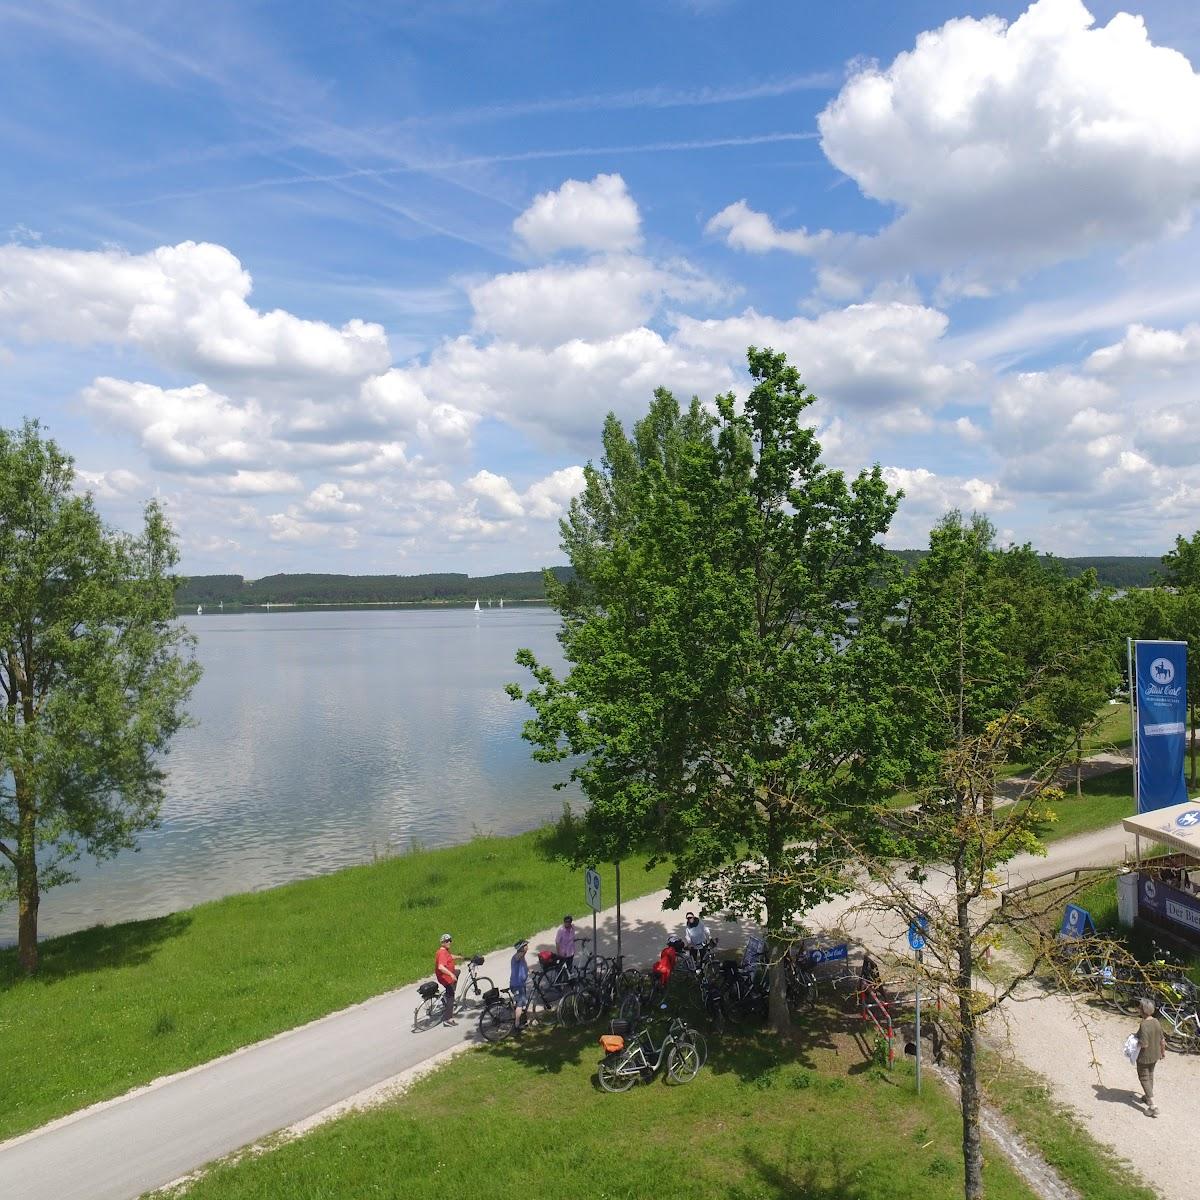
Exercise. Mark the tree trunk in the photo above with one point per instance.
(778, 1014)
(1079, 766)
(968, 1067)
(1192, 740)
(27, 881)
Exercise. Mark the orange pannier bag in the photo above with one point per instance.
(611, 1043)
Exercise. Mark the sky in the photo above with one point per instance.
(350, 286)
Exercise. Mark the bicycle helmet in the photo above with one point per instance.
(675, 942)
(521, 944)
(446, 938)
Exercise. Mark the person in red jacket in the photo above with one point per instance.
(447, 976)
(661, 971)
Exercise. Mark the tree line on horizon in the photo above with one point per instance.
(1117, 571)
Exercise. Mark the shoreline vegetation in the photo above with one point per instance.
(114, 1007)
(1130, 571)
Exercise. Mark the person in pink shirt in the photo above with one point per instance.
(564, 940)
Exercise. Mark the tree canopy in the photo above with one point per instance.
(94, 674)
(718, 631)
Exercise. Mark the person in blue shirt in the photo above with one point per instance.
(518, 983)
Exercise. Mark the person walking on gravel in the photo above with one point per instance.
(1152, 1048)
(518, 983)
(447, 976)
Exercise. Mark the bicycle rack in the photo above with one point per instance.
(871, 1008)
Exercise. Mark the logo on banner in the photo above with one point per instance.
(1162, 671)
(1189, 818)
(1151, 890)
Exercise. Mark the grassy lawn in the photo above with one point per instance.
(807, 1119)
(1091, 1167)
(115, 1007)
(1106, 799)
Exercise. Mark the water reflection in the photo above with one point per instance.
(324, 738)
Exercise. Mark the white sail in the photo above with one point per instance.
(199, 610)
(476, 605)
(501, 601)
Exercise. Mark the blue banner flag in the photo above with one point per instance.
(1161, 670)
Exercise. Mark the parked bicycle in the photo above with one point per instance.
(630, 1056)
(499, 1016)
(470, 990)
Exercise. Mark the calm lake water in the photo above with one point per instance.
(324, 738)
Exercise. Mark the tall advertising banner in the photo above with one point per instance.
(1161, 671)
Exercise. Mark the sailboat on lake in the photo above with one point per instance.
(476, 605)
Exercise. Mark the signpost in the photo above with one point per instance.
(916, 939)
(591, 895)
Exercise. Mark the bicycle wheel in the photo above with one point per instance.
(683, 1062)
(428, 1013)
(496, 1021)
(630, 1008)
(567, 1013)
(692, 1037)
(802, 990)
(480, 985)
(613, 1078)
(587, 1004)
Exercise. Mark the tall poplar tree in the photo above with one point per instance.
(94, 674)
(718, 635)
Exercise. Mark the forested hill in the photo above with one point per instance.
(364, 589)
(516, 585)
(1122, 571)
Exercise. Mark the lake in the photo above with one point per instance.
(325, 738)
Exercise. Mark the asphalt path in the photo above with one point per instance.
(121, 1148)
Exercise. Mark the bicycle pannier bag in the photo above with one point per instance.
(612, 1044)
(428, 990)
(491, 995)
(547, 958)
(621, 1028)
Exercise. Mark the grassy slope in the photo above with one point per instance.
(115, 1007)
(807, 1120)
(1092, 1168)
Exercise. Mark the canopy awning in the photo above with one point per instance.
(1177, 826)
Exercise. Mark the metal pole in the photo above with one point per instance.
(617, 865)
(595, 942)
(1137, 805)
(918, 1023)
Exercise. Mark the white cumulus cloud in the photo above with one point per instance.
(1007, 146)
(597, 215)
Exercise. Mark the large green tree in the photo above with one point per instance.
(717, 633)
(986, 662)
(94, 674)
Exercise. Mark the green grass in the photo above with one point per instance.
(804, 1119)
(1106, 799)
(115, 1007)
(1113, 732)
(1092, 1168)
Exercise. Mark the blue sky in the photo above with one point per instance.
(351, 286)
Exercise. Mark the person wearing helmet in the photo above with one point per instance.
(661, 971)
(518, 983)
(564, 940)
(447, 976)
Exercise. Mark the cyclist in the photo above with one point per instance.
(661, 971)
(564, 940)
(695, 935)
(447, 976)
(518, 983)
